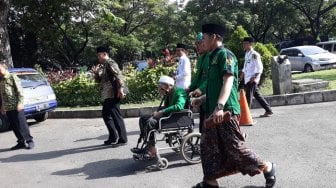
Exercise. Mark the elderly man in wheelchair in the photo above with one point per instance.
(174, 100)
(173, 120)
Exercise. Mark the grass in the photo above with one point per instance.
(328, 75)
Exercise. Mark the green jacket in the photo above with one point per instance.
(200, 78)
(175, 101)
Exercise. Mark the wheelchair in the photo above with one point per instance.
(177, 131)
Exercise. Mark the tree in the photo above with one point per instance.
(5, 54)
(317, 13)
(60, 29)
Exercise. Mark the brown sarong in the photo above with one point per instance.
(224, 152)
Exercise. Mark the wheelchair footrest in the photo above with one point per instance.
(143, 156)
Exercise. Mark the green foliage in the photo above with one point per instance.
(143, 85)
(272, 49)
(235, 44)
(79, 91)
(266, 58)
(83, 91)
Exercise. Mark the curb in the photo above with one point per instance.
(274, 100)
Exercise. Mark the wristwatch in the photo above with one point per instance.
(220, 106)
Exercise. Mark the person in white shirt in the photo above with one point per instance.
(183, 71)
(251, 73)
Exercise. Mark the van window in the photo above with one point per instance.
(32, 80)
(334, 50)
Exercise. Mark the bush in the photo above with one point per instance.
(143, 85)
(235, 44)
(80, 90)
(266, 58)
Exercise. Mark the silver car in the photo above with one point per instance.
(309, 58)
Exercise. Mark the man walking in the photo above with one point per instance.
(12, 105)
(251, 73)
(223, 148)
(108, 75)
(198, 84)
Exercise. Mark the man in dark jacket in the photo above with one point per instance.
(108, 75)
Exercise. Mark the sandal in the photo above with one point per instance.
(270, 177)
(204, 184)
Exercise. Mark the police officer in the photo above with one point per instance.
(251, 73)
(108, 75)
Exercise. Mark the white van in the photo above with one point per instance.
(39, 97)
(328, 45)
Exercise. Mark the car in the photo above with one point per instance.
(328, 45)
(39, 97)
(309, 58)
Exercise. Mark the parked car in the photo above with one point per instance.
(328, 45)
(39, 97)
(309, 58)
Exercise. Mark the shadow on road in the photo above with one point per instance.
(120, 167)
(104, 137)
(51, 154)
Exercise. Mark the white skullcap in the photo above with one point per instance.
(167, 80)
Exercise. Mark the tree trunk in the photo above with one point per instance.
(5, 53)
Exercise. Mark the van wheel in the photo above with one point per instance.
(308, 68)
(4, 124)
(41, 117)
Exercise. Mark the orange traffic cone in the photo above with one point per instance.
(245, 115)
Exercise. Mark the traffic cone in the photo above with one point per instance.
(245, 115)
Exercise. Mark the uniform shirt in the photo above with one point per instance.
(183, 73)
(107, 90)
(175, 101)
(252, 66)
(222, 61)
(11, 92)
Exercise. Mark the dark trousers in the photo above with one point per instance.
(252, 90)
(18, 122)
(114, 121)
(146, 124)
(201, 119)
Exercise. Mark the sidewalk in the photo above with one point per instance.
(274, 100)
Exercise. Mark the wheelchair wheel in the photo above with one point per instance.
(163, 164)
(191, 149)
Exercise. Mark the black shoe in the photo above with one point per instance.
(20, 145)
(110, 142)
(30, 144)
(119, 143)
(270, 177)
(122, 142)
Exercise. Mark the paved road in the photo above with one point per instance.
(300, 139)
